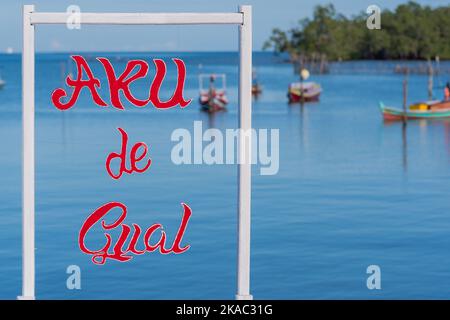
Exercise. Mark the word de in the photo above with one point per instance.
(117, 250)
(134, 158)
(121, 83)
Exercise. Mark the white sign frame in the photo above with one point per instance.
(242, 18)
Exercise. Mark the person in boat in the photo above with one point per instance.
(447, 92)
(212, 87)
(213, 98)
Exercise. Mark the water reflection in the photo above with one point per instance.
(211, 119)
(447, 134)
(304, 126)
(423, 127)
(405, 146)
(301, 111)
(404, 137)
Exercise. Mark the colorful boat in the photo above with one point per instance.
(213, 99)
(304, 92)
(256, 89)
(423, 110)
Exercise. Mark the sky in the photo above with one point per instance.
(267, 14)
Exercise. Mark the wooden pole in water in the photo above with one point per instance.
(302, 66)
(438, 70)
(405, 147)
(302, 97)
(405, 94)
(430, 80)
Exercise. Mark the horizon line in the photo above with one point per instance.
(137, 51)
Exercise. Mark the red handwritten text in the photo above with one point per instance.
(118, 251)
(134, 158)
(122, 83)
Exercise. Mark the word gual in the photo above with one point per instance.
(118, 250)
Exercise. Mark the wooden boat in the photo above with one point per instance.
(256, 89)
(213, 102)
(424, 110)
(306, 92)
(213, 99)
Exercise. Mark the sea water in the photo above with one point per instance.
(351, 191)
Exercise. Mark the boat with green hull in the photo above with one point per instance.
(428, 110)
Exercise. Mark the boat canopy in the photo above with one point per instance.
(304, 85)
(217, 76)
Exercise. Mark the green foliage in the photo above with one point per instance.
(411, 31)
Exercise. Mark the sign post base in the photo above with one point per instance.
(26, 298)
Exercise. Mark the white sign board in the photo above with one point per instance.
(242, 18)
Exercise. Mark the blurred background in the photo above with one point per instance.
(353, 190)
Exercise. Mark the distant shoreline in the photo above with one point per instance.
(282, 57)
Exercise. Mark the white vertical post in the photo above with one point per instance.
(244, 173)
(28, 271)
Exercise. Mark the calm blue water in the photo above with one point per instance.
(351, 191)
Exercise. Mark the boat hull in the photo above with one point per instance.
(214, 103)
(304, 92)
(394, 114)
(256, 89)
(294, 98)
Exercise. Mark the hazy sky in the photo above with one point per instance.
(267, 14)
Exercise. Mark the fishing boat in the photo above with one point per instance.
(422, 110)
(256, 87)
(213, 98)
(304, 92)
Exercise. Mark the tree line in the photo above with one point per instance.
(411, 31)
